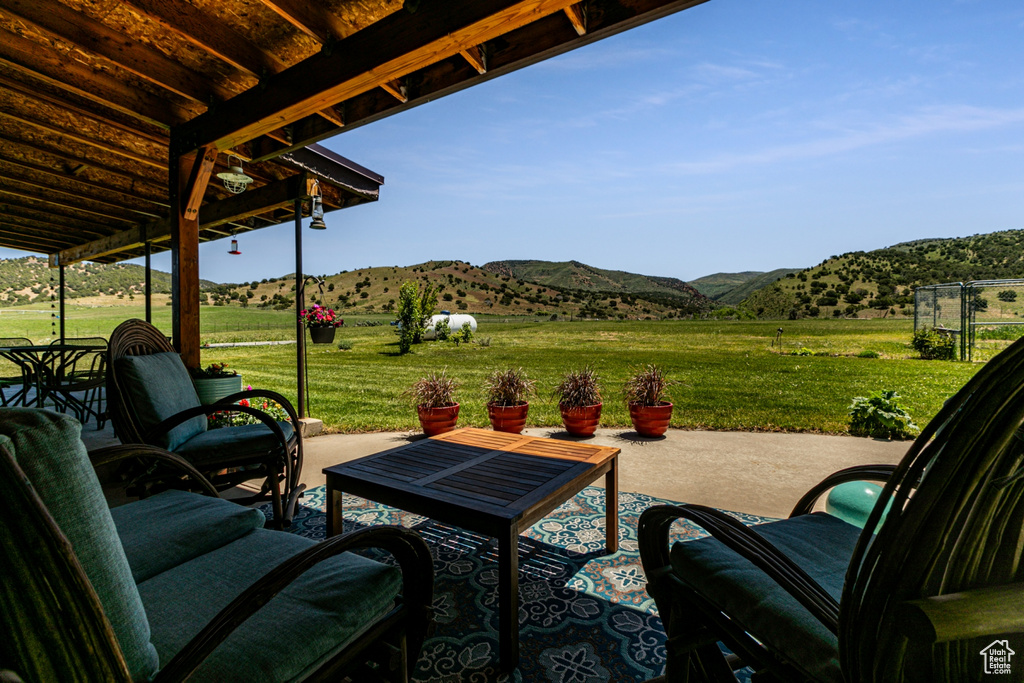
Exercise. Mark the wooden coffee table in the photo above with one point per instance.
(491, 483)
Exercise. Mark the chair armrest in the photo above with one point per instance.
(856, 473)
(407, 547)
(655, 524)
(187, 414)
(959, 616)
(263, 393)
(111, 454)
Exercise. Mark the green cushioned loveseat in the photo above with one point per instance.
(182, 585)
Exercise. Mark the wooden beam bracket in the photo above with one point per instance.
(477, 57)
(577, 17)
(198, 179)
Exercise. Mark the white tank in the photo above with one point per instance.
(455, 323)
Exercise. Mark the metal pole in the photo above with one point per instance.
(149, 285)
(61, 303)
(300, 333)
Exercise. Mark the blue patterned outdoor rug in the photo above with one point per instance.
(584, 617)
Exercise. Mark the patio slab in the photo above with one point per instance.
(754, 472)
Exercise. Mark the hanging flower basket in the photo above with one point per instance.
(322, 335)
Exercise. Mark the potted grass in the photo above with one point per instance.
(507, 391)
(214, 382)
(645, 396)
(434, 397)
(579, 399)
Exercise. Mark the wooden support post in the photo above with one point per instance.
(190, 174)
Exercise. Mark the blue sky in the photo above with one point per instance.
(732, 136)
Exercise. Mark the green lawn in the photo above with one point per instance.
(729, 375)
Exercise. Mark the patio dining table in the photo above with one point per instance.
(44, 368)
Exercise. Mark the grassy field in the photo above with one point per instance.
(729, 374)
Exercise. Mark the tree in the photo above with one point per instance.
(1007, 295)
(408, 316)
(428, 304)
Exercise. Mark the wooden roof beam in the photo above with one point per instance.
(86, 140)
(211, 215)
(65, 73)
(476, 57)
(50, 200)
(94, 37)
(577, 17)
(50, 240)
(34, 217)
(19, 242)
(395, 46)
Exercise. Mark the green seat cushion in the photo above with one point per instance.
(174, 527)
(233, 444)
(48, 448)
(820, 544)
(158, 387)
(853, 502)
(308, 622)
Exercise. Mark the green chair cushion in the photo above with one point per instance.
(853, 502)
(820, 544)
(308, 622)
(227, 444)
(173, 527)
(49, 450)
(158, 387)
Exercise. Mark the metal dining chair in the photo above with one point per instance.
(85, 374)
(18, 383)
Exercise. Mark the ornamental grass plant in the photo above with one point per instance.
(578, 388)
(647, 386)
(508, 387)
(436, 390)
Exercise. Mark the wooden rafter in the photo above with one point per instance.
(85, 140)
(67, 74)
(312, 18)
(50, 189)
(33, 216)
(476, 57)
(391, 48)
(102, 118)
(69, 176)
(577, 17)
(48, 239)
(190, 23)
(80, 161)
(51, 200)
(396, 89)
(94, 37)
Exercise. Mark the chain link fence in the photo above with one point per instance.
(982, 314)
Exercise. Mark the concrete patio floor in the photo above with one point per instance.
(757, 473)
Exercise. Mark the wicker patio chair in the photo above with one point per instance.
(17, 382)
(186, 586)
(152, 399)
(914, 597)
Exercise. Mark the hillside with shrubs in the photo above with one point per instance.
(881, 283)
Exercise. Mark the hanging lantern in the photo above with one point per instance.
(316, 208)
(234, 248)
(234, 179)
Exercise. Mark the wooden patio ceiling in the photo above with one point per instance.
(115, 113)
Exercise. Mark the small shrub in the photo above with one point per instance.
(484, 341)
(802, 351)
(867, 354)
(344, 345)
(508, 387)
(464, 336)
(880, 415)
(442, 330)
(933, 345)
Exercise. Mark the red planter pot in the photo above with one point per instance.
(511, 419)
(581, 421)
(438, 420)
(651, 420)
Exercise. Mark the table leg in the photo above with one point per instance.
(611, 508)
(334, 510)
(508, 599)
